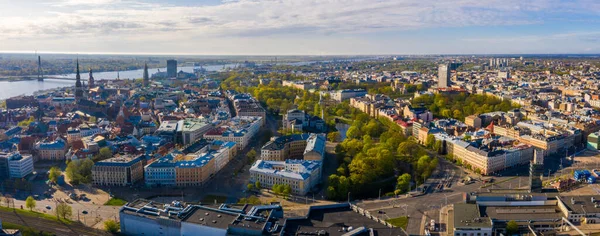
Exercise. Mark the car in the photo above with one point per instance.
(84, 212)
(48, 207)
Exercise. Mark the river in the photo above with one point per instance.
(28, 87)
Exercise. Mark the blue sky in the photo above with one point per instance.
(307, 27)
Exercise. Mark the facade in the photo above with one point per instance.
(16, 165)
(192, 169)
(304, 85)
(119, 171)
(192, 130)
(300, 175)
(487, 160)
(171, 68)
(343, 95)
(52, 151)
(240, 129)
(443, 76)
(299, 120)
(296, 146)
(473, 121)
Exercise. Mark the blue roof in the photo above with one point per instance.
(13, 131)
(57, 144)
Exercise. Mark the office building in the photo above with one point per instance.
(192, 130)
(15, 165)
(296, 146)
(123, 170)
(171, 68)
(443, 76)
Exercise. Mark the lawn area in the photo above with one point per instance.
(401, 222)
(210, 199)
(25, 231)
(34, 214)
(115, 202)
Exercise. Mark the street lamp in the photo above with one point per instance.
(348, 197)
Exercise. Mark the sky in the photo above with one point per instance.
(300, 27)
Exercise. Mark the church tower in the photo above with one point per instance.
(78, 89)
(91, 80)
(146, 77)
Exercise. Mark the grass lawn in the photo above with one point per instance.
(401, 222)
(34, 214)
(115, 202)
(26, 231)
(210, 199)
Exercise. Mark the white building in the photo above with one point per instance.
(343, 95)
(240, 129)
(300, 175)
(19, 165)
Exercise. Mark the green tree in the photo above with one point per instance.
(103, 154)
(30, 203)
(250, 187)
(64, 210)
(403, 183)
(53, 174)
(437, 146)
(512, 227)
(287, 190)
(333, 136)
(430, 141)
(251, 155)
(112, 226)
(80, 171)
(257, 185)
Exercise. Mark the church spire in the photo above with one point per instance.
(91, 79)
(78, 91)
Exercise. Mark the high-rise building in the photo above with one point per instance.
(91, 80)
(146, 77)
(443, 76)
(78, 89)
(171, 68)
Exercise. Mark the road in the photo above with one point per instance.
(428, 205)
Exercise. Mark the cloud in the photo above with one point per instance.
(135, 19)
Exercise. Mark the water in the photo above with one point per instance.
(28, 87)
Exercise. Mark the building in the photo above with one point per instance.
(119, 171)
(473, 121)
(443, 76)
(171, 68)
(146, 77)
(51, 151)
(240, 129)
(145, 217)
(487, 214)
(343, 95)
(593, 142)
(294, 147)
(488, 159)
(299, 121)
(78, 85)
(304, 85)
(91, 83)
(21, 101)
(15, 165)
(192, 130)
(300, 175)
(191, 169)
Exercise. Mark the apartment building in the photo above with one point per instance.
(239, 129)
(191, 169)
(15, 165)
(51, 151)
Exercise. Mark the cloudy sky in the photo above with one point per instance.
(316, 27)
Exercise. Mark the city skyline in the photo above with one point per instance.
(246, 27)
